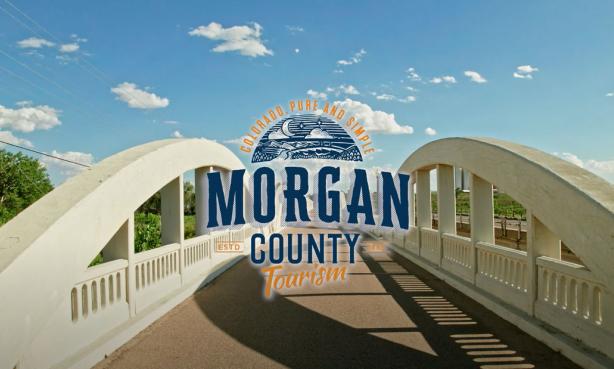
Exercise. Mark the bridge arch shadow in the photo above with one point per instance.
(296, 336)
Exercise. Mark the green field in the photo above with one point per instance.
(504, 205)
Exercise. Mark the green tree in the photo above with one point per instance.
(23, 180)
(189, 199)
(153, 205)
(146, 231)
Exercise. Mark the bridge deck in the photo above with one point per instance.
(391, 313)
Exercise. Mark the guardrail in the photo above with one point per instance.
(429, 245)
(102, 286)
(568, 296)
(101, 300)
(502, 272)
(570, 299)
(457, 255)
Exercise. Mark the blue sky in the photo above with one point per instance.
(67, 80)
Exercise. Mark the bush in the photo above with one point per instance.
(189, 226)
(146, 231)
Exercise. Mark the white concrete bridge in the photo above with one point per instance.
(58, 313)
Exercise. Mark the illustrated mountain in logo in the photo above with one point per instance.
(306, 136)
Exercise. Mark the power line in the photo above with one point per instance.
(93, 70)
(7, 71)
(45, 154)
(66, 90)
(87, 114)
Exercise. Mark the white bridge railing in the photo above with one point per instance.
(569, 297)
(457, 255)
(568, 306)
(100, 301)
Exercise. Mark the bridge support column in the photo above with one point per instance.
(412, 200)
(540, 242)
(423, 199)
(412, 208)
(202, 197)
(121, 246)
(446, 203)
(172, 216)
(482, 216)
(423, 204)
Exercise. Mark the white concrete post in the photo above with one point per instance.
(172, 216)
(423, 199)
(540, 242)
(121, 246)
(446, 199)
(482, 216)
(446, 203)
(172, 211)
(202, 198)
(423, 204)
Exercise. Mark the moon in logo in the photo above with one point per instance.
(285, 129)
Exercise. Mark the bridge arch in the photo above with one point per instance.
(573, 203)
(45, 251)
(564, 203)
(49, 245)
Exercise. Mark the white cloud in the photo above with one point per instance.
(137, 98)
(234, 141)
(173, 122)
(385, 97)
(318, 133)
(69, 48)
(443, 79)
(610, 94)
(407, 99)
(7, 136)
(29, 118)
(34, 43)
(243, 39)
(317, 94)
(277, 135)
(430, 131)
(522, 76)
(604, 168)
(177, 134)
(349, 89)
(475, 76)
(64, 168)
(24, 103)
(413, 75)
(355, 59)
(389, 97)
(343, 89)
(296, 51)
(338, 71)
(373, 120)
(295, 29)
(75, 37)
(526, 69)
(525, 72)
(412, 89)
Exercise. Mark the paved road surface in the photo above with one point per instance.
(390, 314)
